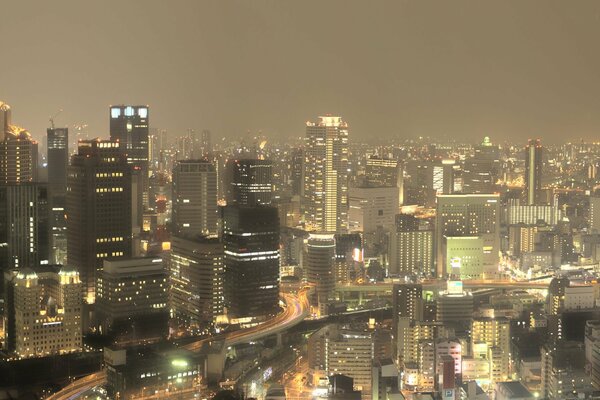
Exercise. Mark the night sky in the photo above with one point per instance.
(392, 69)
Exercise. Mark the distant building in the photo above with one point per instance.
(58, 161)
(371, 207)
(194, 198)
(44, 311)
(252, 182)
(410, 248)
(482, 171)
(533, 171)
(319, 264)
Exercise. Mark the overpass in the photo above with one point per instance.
(296, 309)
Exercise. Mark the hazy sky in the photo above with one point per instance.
(508, 69)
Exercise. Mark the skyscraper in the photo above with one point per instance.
(251, 242)
(18, 151)
(533, 171)
(326, 175)
(252, 182)
(481, 172)
(194, 198)
(98, 209)
(468, 215)
(58, 160)
(411, 248)
(320, 259)
(196, 267)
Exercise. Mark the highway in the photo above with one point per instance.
(296, 310)
(73, 390)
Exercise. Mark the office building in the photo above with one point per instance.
(98, 209)
(475, 215)
(194, 198)
(533, 214)
(533, 171)
(325, 195)
(482, 171)
(58, 160)
(251, 182)
(351, 353)
(24, 225)
(18, 151)
(132, 295)
(319, 264)
(129, 127)
(370, 208)
(464, 257)
(196, 279)
(44, 311)
(251, 244)
(385, 171)
(455, 307)
(410, 248)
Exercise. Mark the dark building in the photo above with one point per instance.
(58, 160)
(24, 225)
(407, 300)
(481, 172)
(251, 243)
(252, 182)
(533, 171)
(98, 209)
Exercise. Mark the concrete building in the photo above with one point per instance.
(482, 171)
(252, 182)
(410, 248)
(319, 264)
(371, 207)
(490, 339)
(533, 171)
(133, 292)
(471, 215)
(594, 215)
(194, 198)
(44, 311)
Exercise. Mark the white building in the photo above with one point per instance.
(372, 207)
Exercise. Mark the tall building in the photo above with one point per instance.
(131, 295)
(594, 214)
(482, 171)
(463, 215)
(129, 127)
(325, 194)
(18, 151)
(24, 225)
(44, 311)
(206, 142)
(410, 248)
(490, 338)
(320, 259)
(98, 209)
(533, 171)
(58, 161)
(194, 198)
(252, 182)
(251, 242)
(196, 279)
(407, 300)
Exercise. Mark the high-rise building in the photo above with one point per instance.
(351, 354)
(325, 194)
(18, 153)
(455, 307)
(98, 209)
(490, 338)
(196, 279)
(44, 311)
(194, 198)
(252, 182)
(24, 225)
(482, 171)
(58, 160)
(475, 215)
(206, 142)
(251, 242)
(407, 300)
(319, 264)
(533, 171)
(129, 127)
(132, 294)
(410, 248)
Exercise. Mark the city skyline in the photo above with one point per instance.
(406, 69)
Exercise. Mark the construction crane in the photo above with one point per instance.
(52, 118)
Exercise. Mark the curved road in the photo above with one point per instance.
(296, 310)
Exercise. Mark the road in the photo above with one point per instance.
(296, 310)
(79, 386)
